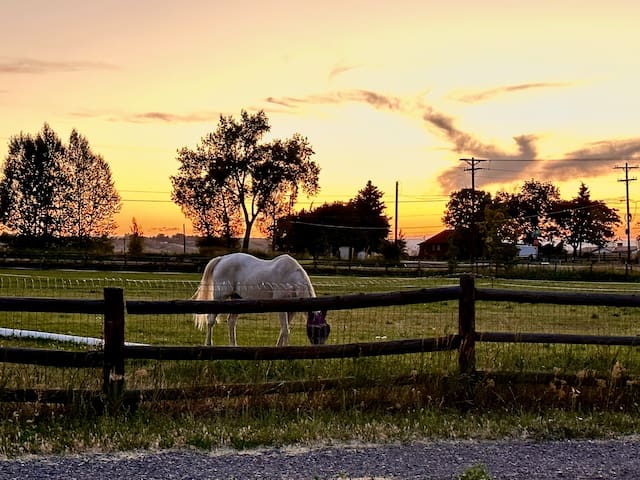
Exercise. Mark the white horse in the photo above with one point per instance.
(239, 275)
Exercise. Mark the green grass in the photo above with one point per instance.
(348, 326)
(477, 472)
(376, 411)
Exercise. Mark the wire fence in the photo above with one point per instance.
(347, 326)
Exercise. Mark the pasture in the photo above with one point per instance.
(348, 326)
(384, 411)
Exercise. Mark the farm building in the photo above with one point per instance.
(435, 247)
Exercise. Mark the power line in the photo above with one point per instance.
(567, 159)
(338, 227)
(626, 180)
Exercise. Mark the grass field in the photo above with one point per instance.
(379, 413)
(348, 326)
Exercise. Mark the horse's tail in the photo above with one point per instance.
(205, 291)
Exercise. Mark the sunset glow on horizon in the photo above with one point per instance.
(384, 91)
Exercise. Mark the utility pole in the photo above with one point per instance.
(626, 180)
(473, 168)
(395, 239)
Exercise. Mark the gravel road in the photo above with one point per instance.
(585, 459)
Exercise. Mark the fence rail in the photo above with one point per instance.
(111, 359)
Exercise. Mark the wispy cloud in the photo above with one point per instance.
(339, 70)
(596, 158)
(34, 66)
(510, 165)
(494, 92)
(377, 100)
(151, 117)
(164, 117)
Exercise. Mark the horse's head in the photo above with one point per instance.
(317, 327)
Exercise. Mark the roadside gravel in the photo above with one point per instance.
(572, 459)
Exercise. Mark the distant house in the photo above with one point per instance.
(436, 247)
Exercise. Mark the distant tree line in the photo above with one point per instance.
(56, 193)
(487, 226)
(359, 224)
(62, 194)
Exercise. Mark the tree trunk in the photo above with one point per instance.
(247, 235)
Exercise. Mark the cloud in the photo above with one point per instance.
(37, 67)
(494, 92)
(597, 158)
(164, 117)
(594, 160)
(504, 165)
(151, 117)
(511, 166)
(339, 70)
(376, 100)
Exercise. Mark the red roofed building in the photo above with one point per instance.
(436, 247)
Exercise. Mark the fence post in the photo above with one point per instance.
(467, 325)
(113, 368)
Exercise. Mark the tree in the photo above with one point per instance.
(532, 207)
(581, 220)
(49, 190)
(33, 184)
(231, 164)
(203, 198)
(368, 209)
(136, 239)
(320, 231)
(92, 199)
(268, 223)
(394, 251)
(359, 223)
(500, 233)
(464, 213)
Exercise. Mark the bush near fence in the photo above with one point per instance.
(475, 365)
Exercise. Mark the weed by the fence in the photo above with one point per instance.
(477, 472)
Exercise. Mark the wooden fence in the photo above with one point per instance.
(111, 358)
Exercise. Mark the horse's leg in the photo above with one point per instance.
(283, 339)
(211, 321)
(232, 320)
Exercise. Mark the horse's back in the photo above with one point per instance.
(249, 276)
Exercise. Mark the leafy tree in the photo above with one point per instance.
(203, 198)
(92, 199)
(268, 222)
(581, 220)
(320, 231)
(230, 167)
(464, 213)
(500, 233)
(33, 183)
(394, 251)
(359, 223)
(532, 207)
(50, 191)
(136, 239)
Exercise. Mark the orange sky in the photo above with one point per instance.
(384, 91)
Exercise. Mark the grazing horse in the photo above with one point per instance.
(239, 275)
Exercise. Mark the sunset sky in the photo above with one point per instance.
(384, 91)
